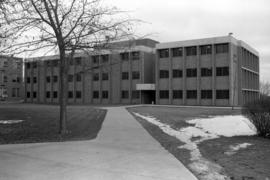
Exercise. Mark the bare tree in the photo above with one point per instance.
(264, 89)
(64, 27)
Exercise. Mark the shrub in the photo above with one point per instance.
(258, 113)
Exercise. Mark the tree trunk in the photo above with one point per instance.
(63, 93)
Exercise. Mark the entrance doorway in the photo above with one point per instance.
(148, 97)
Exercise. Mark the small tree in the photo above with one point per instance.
(62, 26)
(264, 89)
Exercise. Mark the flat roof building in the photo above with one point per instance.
(219, 71)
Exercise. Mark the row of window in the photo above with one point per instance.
(192, 94)
(192, 72)
(192, 50)
(78, 94)
(14, 79)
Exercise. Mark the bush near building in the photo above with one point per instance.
(259, 114)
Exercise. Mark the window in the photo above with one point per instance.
(135, 75)
(105, 94)
(105, 76)
(28, 80)
(124, 94)
(78, 61)
(124, 56)
(95, 59)
(163, 94)
(96, 77)
(34, 64)
(70, 94)
(18, 79)
(55, 94)
(34, 79)
(28, 65)
(55, 63)
(206, 94)
(222, 71)
(177, 52)
(13, 94)
(192, 72)
(135, 55)
(55, 78)
(28, 95)
(125, 76)
(222, 48)
(177, 73)
(70, 78)
(78, 94)
(163, 74)
(5, 63)
(206, 49)
(48, 94)
(177, 94)
(163, 53)
(70, 62)
(105, 58)
(18, 92)
(135, 94)
(48, 79)
(78, 77)
(34, 94)
(191, 51)
(222, 94)
(95, 94)
(206, 72)
(191, 94)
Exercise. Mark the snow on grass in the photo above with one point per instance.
(235, 148)
(226, 125)
(207, 128)
(10, 121)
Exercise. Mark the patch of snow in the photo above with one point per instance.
(225, 125)
(237, 147)
(10, 121)
(206, 169)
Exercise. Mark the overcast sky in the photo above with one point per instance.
(176, 20)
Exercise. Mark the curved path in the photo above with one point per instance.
(123, 150)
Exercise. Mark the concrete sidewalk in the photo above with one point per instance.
(123, 150)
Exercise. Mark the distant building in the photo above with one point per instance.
(11, 81)
(220, 71)
(107, 77)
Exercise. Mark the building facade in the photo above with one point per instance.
(11, 80)
(220, 71)
(106, 77)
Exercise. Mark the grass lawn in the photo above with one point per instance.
(250, 163)
(41, 123)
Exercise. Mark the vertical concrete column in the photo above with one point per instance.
(213, 60)
(240, 83)
(198, 82)
(157, 75)
(184, 79)
(110, 78)
(130, 77)
(100, 79)
(231, 75)
(170, 77)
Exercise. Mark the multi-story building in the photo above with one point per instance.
(11, 85)
(104, 77)
(219, 71)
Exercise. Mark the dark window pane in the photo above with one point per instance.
(191, 72)
(105, 94)
(135, 55)
(191, 51)
(135, 94)
(222, 94)
(78, 94)
(206, 49)
(206, 72)
(78, 77)
(48, 94)
(135, 75)
(78, 61)
(206, 94)
(95, 94)
(105, 76)
(55, 94)
(163, 94)
(96, 77)
(124, 56)
(177, 73)
(70, 94)
(191, 94)
(222, 71)
(105, 58)
(222, 48)
(163, 74)
(124, 95)
(177, 94)
(163, 53)
(55, 78)
(70, 78)
(95, 60)
(125, 76)
(177, 52)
